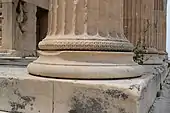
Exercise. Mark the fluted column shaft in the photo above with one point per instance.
(86, 40)
(138, 21)
(160, 22)
(86, 25)
(145, 20)
(143, 24)
(164, 32)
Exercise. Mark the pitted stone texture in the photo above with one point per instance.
(18, 28)
(165, 71)
(112, 96)
(86, 98)
(28, 94)
(152, 59)
(162, 102)
(23, 95)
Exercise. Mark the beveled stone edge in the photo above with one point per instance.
(67, 72)
(56, 65)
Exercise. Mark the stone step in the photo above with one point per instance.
(162, 102)
(24, 93)
(16, 60)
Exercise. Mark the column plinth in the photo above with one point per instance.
(85, 40)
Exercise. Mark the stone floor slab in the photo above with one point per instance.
(107, 96)
(20, 93)
(162, 102)
(24, 93)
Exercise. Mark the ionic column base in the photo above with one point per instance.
(85, 65)
(152, 57)
(62, 43)
(163, 55)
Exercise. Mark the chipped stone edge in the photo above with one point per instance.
(139, 88)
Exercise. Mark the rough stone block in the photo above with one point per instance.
(24, 95)
(107, 96)
(165, 71)
(152, 59)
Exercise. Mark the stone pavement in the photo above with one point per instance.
(162, 102)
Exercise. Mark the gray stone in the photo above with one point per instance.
(162, 102)
(22, 92)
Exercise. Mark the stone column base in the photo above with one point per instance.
(152, 59)
(163, 55)
(85, 65)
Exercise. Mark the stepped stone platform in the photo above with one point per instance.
(24, 93)
(162, 102)
(17, 61)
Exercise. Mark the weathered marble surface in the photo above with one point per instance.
(41, 3)
(18, 28)
(18, 61)
(162, 102)
(22, 93)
